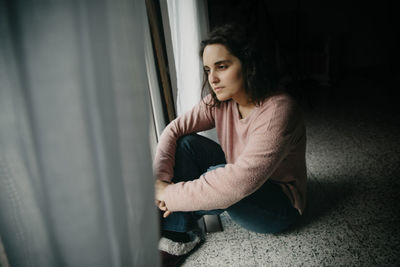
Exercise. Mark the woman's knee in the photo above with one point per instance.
(195, 143)
(196, 153)
(185, 144)
(186, 166)
(191, 140)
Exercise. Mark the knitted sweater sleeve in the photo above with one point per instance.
(271, 134)
(199, 118)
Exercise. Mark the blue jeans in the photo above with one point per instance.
(268, 210)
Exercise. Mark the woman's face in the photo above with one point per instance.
(224, 72)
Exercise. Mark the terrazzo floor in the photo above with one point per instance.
(353, 193)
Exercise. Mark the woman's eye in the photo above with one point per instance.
(221, 67)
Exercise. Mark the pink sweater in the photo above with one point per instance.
(269, 143)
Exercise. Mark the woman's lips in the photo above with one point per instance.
(216, 89)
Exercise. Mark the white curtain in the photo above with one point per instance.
(188, 25)
(188, 22)
(76, 186)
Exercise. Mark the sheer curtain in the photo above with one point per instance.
(188, 24)
(187, 21)
(76, 186)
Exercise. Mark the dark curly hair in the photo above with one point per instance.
(258, 61)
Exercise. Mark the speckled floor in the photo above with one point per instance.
(353, 194)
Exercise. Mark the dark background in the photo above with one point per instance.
(332, 51)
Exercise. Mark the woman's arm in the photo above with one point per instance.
(199, 118)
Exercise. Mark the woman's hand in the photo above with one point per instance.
(161, 206)
(159, 190)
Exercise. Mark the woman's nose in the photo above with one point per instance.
(213, 78)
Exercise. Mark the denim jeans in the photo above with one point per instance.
(268, 210)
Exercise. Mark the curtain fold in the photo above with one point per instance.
(188, 22)
(76, 184)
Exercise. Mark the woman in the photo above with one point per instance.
(257, 173)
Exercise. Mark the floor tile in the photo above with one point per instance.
(361, 199)
(223, 253)
(382, 241)
(327, 243)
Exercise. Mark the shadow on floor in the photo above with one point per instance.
(322, 198)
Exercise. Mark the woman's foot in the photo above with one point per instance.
(175, 249)
(176, 236)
